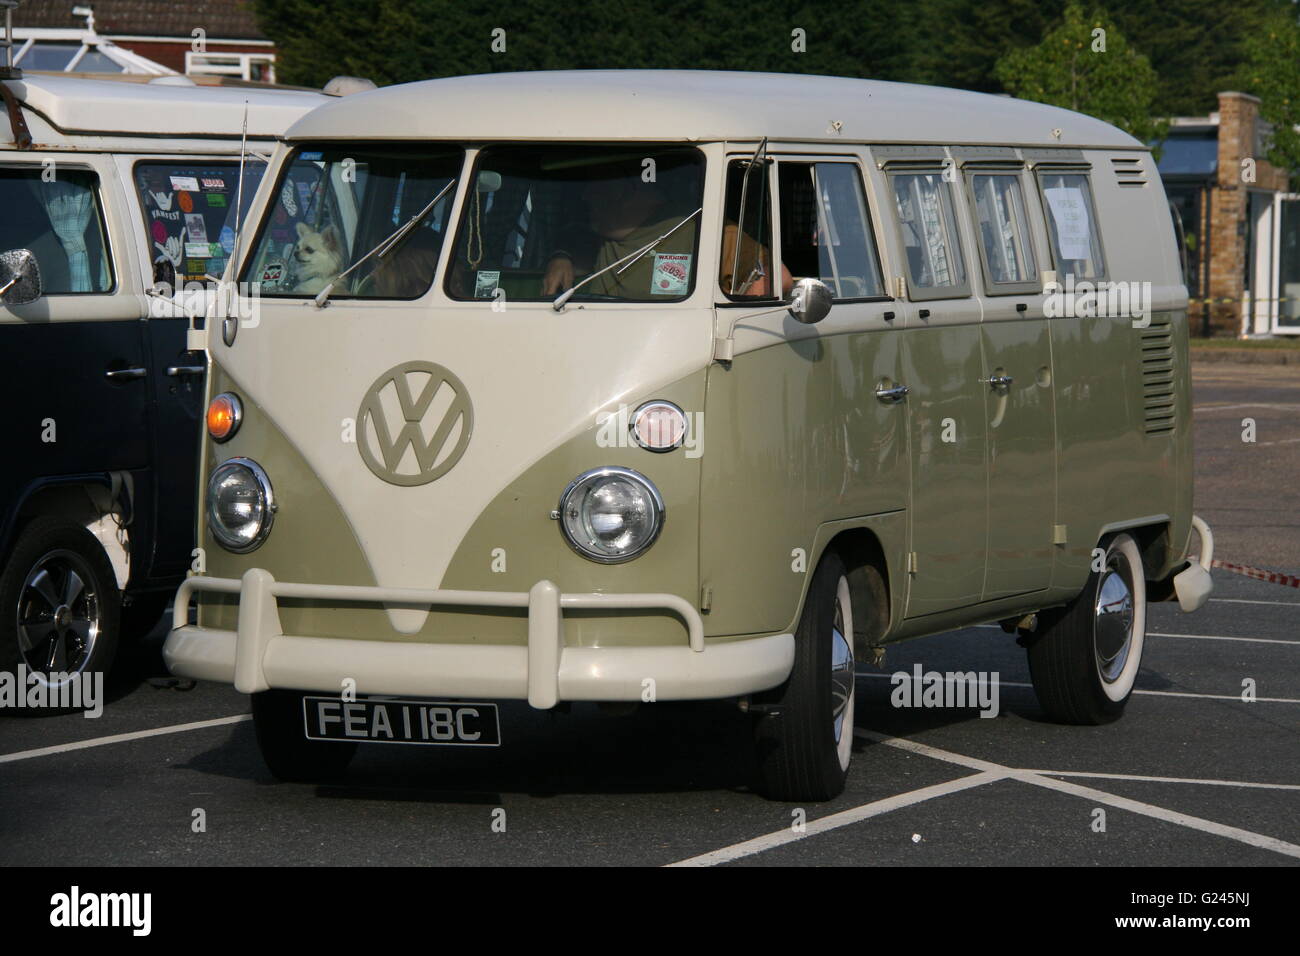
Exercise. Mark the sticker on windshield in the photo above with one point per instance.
(671, 275)
(216, 199)
(287, 199)
(196, 227)
(185, 183)
(195, 249)
(227, 239)
(485, 283)
(273, 272)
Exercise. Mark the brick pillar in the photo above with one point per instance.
(1238, 113)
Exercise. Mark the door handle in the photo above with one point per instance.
(175, 370)
(125, 374)
(891, 395)
(999, 381)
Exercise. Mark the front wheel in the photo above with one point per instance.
(804, 729)
(59, 606)
(1086, 660)
(289, 754)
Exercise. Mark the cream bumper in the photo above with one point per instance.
(258, 655)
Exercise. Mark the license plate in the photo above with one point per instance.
(392, 721)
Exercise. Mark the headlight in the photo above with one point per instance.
(240, 505)
(611, 514)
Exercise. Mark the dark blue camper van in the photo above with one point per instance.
(109, 192)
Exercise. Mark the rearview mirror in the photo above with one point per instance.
(20, 277)
(811, 301)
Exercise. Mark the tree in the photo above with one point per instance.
(1085, 64)
(1272, 72)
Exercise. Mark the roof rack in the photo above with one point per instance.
(7, 69)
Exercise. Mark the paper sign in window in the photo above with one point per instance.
(1073, 229)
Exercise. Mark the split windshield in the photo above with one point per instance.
(538, 220)
(334, 204)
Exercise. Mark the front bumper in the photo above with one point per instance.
(258, 655)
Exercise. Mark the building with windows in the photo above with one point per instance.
(218, 38)
(1239, 223)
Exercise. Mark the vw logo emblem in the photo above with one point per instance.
(414, 423)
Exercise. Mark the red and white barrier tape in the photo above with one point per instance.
(1272, 577)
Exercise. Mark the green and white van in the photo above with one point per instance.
(646, 386)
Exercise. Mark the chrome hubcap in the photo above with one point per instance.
(1112, 628)
(58, 614)
(841, 674)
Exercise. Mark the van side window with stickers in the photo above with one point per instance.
(189, 215)
(332, 206)
(1072, 224)
(929, 232)
(59, 220)
(540, 219)
(825, 231)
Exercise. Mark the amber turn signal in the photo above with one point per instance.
(224, 415)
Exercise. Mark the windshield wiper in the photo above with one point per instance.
(625, 262)
(381, 250)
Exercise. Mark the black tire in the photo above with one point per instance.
(289, 755)
(799, 755)
(141, 616)
(1078, 673)
(51, 621)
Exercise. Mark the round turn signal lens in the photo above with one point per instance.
(224, 415)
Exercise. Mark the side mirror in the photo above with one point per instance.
(20, 277)
(811, 301)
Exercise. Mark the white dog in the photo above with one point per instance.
(318, 257)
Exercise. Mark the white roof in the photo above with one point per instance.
(697, 105)
(75, 105)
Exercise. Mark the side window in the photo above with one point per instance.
(825, 232)
(1005, 245)
(929, 231)
(189, 215)
(745, 270)
(1072, 224)
(60, 221)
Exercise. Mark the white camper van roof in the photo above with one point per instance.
(689, 105)
(67, 107)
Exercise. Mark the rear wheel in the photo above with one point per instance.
(804, 728)
(59, 604)
(289, 754)
(1086, 658)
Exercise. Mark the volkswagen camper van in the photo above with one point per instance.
(655, 386)
(113, 196)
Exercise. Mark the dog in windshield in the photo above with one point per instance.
(317, 256)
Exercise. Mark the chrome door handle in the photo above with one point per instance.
(125, 374)
(174, 370)
(892, 395)
(999, 381)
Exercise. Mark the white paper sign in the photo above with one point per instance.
(1070, 213)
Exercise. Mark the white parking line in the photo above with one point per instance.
(1141, 778)
(1222, 637)
(986, 772)
(1146, 693)
(1133, 806)
(122, 738)
(1201, 409)
(836, 820)
(1247, 601)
